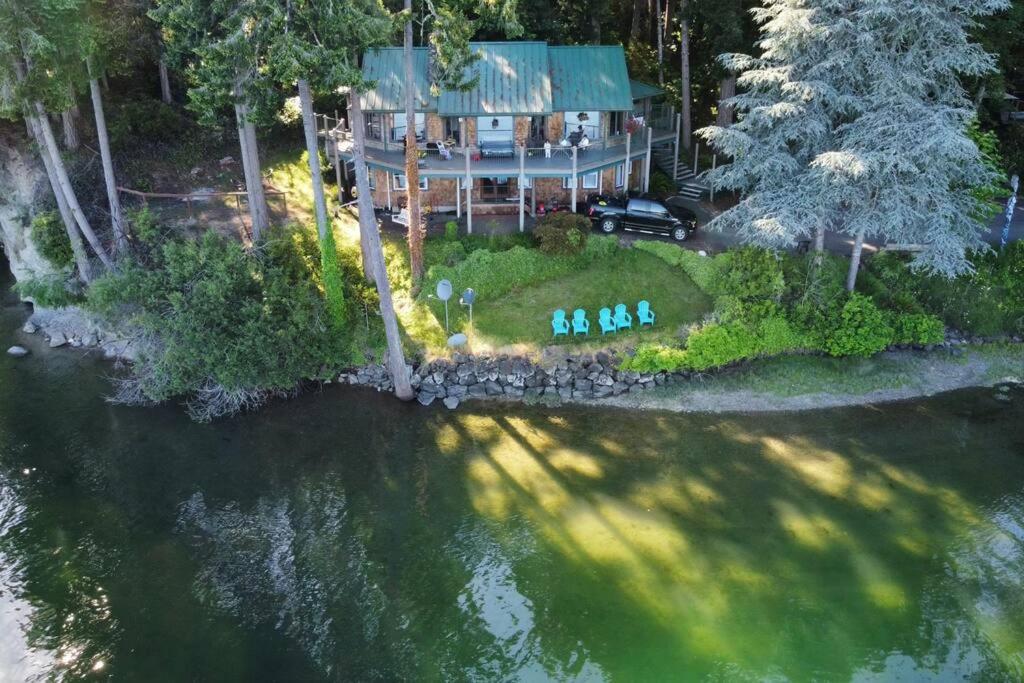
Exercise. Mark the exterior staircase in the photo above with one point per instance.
(687, 183)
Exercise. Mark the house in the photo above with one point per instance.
(516, 138)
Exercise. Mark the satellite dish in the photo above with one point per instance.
(468, 297)
(457, 340)
(444, 290)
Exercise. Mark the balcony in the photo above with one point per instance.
(556, 161)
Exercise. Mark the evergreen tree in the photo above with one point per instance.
(854, 118)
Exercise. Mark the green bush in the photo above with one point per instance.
(137, 121)
(753, 274)
(916, 328)
(652, 358)
(497, 242)
(562, 233)
(705, 271)
(716, 344)
(51, 291)
(860, 329)
(492, 274)
(227, 327)
(451, 231)
(51, 239)
(662, 185)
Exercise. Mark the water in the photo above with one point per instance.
(344, 536)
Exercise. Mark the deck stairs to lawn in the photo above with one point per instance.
(687, 183)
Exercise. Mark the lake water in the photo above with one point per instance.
(346, 536)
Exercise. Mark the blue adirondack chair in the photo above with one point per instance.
(604, 319)
(622, 317)
(559, 324)
(644, 314)
(580, 324)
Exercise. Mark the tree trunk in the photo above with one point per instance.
(333, 292)
(65, 185)
(258, 211)
(369, 230)
(634, 27)
(819, 240)
(165, 82)
(858, 248)
(77, 247)
(412, 156)
(595, 26)
(113, 199)
(727, 90)
(67, 119)
(661, 43)
(684, 56)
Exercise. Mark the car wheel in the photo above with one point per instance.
(608, 225)
(680, 234)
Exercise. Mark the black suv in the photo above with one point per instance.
(642, 214)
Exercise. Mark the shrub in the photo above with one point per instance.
(562, 233)
(50, 291)
(226, 327)
(754, 273)
(860, 329)
(492, 274)
(705, 271)
(662, 185)
(51, 239)
(716, 344)
(652, 358)
(777, 335)
(451, 231)
(916, 328)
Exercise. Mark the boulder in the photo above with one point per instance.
(493, 388)
(425, 398)
(17, 351)
(620, 388)
(602, 391)
(29, 327)
(457, 391)
(57, 340)
(583, 385)
(478, 390)
(451, 403)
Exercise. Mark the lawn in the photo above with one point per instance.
(521, 320)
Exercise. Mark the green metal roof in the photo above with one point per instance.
(640, 90)
(386, 66)
(514, 78)
(589, 78)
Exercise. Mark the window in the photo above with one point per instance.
(494, 189)
(494, 128)
(373, 178)
(398, 127)
(567, 182)
(590, 181)
(374, 123)
(620, 175)
(588, 121)
(527, 182)
(399, 183)
(617, 122)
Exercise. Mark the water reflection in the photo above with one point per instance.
(342, 537)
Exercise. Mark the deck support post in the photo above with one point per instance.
(458, 199)
(389, 190)
(337, 173)
(625, 175)
(647, 161)
(675, 148)
(469, 183)
(522, 187)
(575, 178)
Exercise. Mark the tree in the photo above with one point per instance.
(412, 156)
(224, 42)
(854, 118)
(38, 58)
(686, 95)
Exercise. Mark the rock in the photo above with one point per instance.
(620, 388)
(226, 161)
(564, 393)
(493, 388)
(659, 379)
(57, 339)
(1004, 398)
(563, 378)
(425, 398)
(90, 340)
(583, 385)
(534, 392)
(514, 392)
(451, 403)
(582, 395)
(29, 327)
(604, 381)
(457, 391)
(602, 391)
(17, 351)
(478, 390)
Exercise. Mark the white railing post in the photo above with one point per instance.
(575, 178)
(522, 187)
(647, 161)
(675, 158)
(625, 174)
(696, 156)
(469, 184)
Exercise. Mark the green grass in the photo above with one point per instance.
(802, 375)
(523, 317)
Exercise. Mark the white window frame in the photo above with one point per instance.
(620, 175)
(567, 182)
(400, 185)
(527, 182)
(372, 177)
(589, 184)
